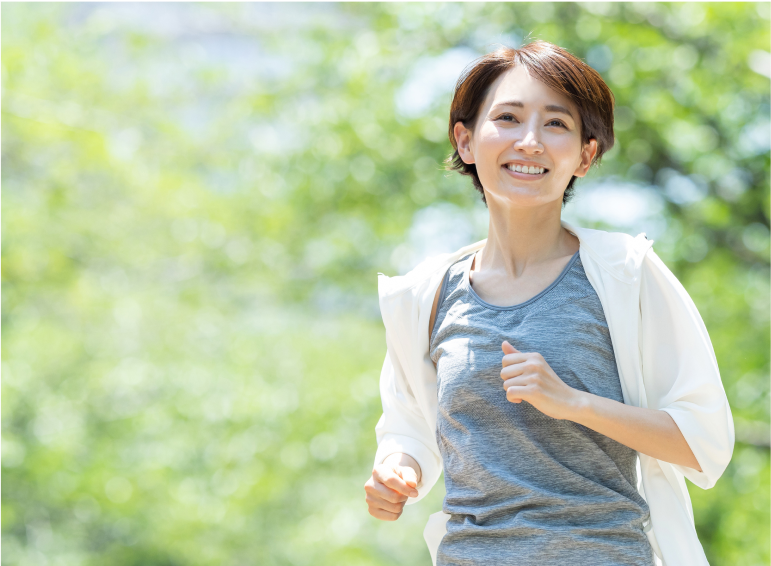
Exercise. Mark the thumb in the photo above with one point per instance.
(508, 348)
(408, 475)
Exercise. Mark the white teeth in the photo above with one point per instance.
(529, 170)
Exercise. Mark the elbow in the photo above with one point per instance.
(707, 476)
(706, 443)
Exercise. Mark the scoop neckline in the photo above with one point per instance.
(470, 289)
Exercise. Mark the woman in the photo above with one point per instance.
(561, 377)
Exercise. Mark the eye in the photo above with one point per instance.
(505, 117)
(558, 122)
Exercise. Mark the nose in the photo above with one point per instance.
(530, 144)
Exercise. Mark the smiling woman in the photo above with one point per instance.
(572, 384)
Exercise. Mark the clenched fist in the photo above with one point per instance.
(528, 377)
(391, 484)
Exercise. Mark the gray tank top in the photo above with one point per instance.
(523, 488)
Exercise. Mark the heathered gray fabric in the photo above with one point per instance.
(523, 488)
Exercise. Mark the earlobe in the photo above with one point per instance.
(463, 141)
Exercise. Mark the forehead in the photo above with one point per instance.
(518, 84)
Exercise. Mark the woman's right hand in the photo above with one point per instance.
(391, 484)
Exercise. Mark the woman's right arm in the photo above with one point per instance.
(404, 440)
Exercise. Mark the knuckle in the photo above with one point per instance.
(388, 497)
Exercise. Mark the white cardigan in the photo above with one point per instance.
(665, 361)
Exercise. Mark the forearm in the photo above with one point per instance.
(404, 460)
(648, 431)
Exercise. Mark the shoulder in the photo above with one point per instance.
(656, 274)
(406, 300)
(423, 274)
(617, 253)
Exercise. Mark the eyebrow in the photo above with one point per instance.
(548, 107)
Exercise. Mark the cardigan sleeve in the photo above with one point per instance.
(680, 371)
(402, 426)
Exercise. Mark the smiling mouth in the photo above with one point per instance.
(524, 172)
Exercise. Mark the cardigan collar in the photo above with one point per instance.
(619, 254)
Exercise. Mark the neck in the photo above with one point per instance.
(521, 237)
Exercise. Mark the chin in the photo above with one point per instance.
(522, 197)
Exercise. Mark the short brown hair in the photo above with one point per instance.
(556, 68)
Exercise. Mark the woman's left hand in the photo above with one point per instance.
(527, 376)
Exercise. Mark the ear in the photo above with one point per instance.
(463, 141)
(587, 155)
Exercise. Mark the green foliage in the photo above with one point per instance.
(197, 198)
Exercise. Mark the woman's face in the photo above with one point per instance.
(523, 122)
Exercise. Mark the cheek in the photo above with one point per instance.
(567, 154)
(490, 146)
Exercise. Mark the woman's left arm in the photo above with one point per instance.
(681, 373)
(688, 422)
(528, 377)
(649, 431)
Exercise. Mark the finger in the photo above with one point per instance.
(513, 358)
(386, 493)
(388, 477)
(376, 503)
(508, 348)
(514, 370)
(384, 515)
(410, 477)
(521, 380)
(517, 393)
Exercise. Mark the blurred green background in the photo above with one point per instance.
(196, 201)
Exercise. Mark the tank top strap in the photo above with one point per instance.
(452, 278)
